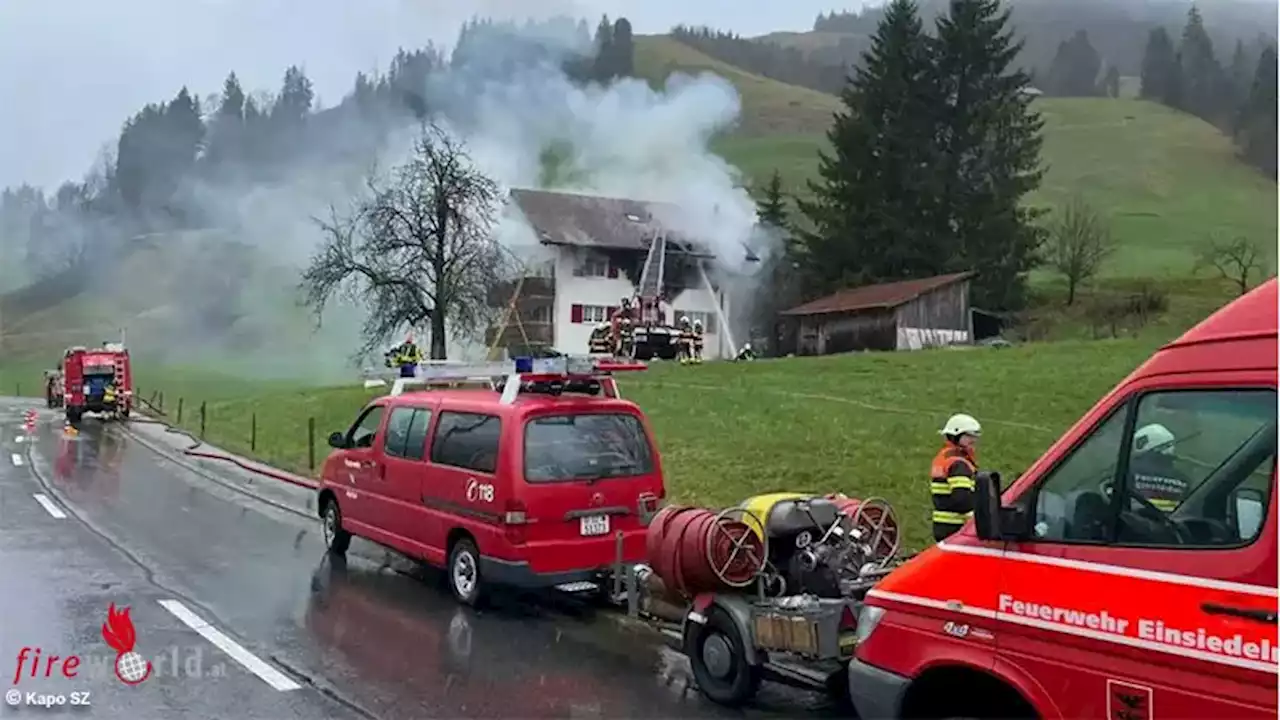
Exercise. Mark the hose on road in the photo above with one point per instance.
(194, 450)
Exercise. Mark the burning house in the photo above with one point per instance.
(598, 251)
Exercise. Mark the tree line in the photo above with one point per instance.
(931, 157)
(785, 64)
(1239, 98)
(155, 176)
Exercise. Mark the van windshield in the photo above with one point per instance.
(585, 447)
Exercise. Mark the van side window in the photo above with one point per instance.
(1069, 505)
(415, 443)
(397, 431)
(365, 428)
(1199, 472)
(467, 440)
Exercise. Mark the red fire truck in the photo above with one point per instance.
(98, 380)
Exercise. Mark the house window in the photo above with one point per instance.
(592, 265)
(591, 314)
(540, 314)
(708, 319)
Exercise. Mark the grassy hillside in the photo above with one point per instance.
(769, 107)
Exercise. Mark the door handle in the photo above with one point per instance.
(1262, 616)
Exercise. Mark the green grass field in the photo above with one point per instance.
(862, 424)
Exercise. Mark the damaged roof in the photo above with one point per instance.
(606, 223)
(886, 296)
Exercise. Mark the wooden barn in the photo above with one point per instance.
(906, 315)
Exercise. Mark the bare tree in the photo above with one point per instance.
(1236, 260)
(418, 248)
(1078, 244)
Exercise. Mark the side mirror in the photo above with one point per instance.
(337, 440)
(986, 505)
(1247, 504)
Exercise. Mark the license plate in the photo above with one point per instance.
(595, 525)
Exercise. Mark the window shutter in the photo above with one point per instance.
(608, 313)
(575, 314)
(613, 270)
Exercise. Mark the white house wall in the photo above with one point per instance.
(605, 292)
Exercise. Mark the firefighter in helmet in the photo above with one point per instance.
(951, 478)
(686, 340)
(405, 357)
(746, 354)
(600, 340)
(697, 342)
(1155, 477)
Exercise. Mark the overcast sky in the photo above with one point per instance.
(71, 71)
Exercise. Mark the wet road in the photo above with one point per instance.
(244, 615)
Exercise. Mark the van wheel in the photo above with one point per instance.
(718, 658)
(463, 573)
(336, 539)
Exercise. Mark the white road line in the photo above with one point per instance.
(251, 662)
(17, 459)
(50, 506)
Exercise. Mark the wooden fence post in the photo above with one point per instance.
(202, 419)
(311, 444)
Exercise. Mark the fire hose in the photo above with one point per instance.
(695, 550)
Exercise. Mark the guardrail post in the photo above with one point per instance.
(253, 432)
(202, 419)
(160, 406)
(179, 420)
(311, 444)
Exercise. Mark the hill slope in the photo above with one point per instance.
(768, 107)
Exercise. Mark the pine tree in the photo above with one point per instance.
(870, 210)
(771, 209)
(1158, 66)
(1257, 136)
(991, 152)
(1202, 82)
(603, 70)
(1075, 68)
(623, 49)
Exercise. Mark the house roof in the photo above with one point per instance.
(561, 218)
(876, 297)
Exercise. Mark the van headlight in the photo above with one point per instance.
(868, 618)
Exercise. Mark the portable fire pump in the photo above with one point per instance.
(769, 589)
(98, 380)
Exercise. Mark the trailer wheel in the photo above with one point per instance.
(717, 653)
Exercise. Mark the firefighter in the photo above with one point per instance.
(951, 478)
(746, 354)
(598, 343)
(1155, 478)
(697, 342)
(686, 340)
(627, 340)
(405, 357)
(109, 394)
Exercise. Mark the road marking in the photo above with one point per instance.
(17, 459)
(251, 662)
(50, 506)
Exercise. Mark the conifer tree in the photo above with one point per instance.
(870, 207)
(990, 153)
(1159, 63)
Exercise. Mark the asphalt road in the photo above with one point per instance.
(242, 614)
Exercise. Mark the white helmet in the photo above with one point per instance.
(1153, 437)
(684, 319)
(697, 324)
(961, 424)
(603, 326)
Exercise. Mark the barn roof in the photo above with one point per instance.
(886, 296)
(607, 223)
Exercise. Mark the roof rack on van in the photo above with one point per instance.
(553, 376)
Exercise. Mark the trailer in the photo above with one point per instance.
(769, 590)
(97, 380)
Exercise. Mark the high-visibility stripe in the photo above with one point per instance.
(961, 482)
(939, 488)
(992, 614)
(1165, 505)
(951, 518)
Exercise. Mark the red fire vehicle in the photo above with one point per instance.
(541, 477)
(1074, 595)
(98, 380)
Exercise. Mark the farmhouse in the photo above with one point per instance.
(598, 247)
(906, 315)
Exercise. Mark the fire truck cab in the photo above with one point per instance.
(98, 380)
(1073, 593)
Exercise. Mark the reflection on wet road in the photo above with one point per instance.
(374, 636)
